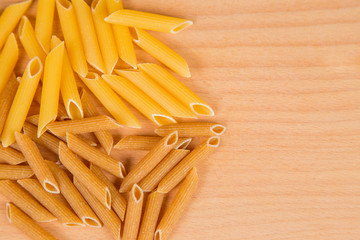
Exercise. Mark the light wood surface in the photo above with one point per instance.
(284, 76)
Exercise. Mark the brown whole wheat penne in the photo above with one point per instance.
(95, 156)
(108, 216)
(37, 163)
(73, 197)
(11, 156)
(146, 142)
(24, 223)
(84, 175)
(16, 172)
(194, 129)
(151, 215)
(133, 213)
(118, 202)
(150, 182)
(6, 99)
(17, 195)
(179, 172)
(149, 162)
(177, 206)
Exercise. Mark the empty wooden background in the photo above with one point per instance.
(284, 76)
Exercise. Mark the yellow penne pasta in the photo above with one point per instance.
(179, 172)
(95, 156)
(63, 213)
(73, 197)
(140, 100)
(11, 156)
(24, 223)
(161, 52)
(177, 89)
(177, 206)
(22, 101)
(110, 100)
(37, 163)
(72, 36)
(105, 35)
(150, 160)
(44, 22)
(6, 98)
(192, 129)
(118, 202)
(8, 59)
(133, 213)
(16, 172)
(151, 215)
(51, 88)
(150, 182)
(10, 18)
(17, 195)
(149, 21)
(84, 175)
(108, 216)
(147, 143)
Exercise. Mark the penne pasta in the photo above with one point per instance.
(133, 213)
(140, 100)
(11, 156)
(73, 197)
(51, 88)
(150, 182)
(6, 98)
(149, 162)
(88, 34)
(118, 202)
(105, 35)
(84, 175)
(63, 213)
(161, 52)
(8, 59)
(178, 173)
(177, 89)
(16, 172)
(147, 143)
(177, 206)
(95, 156)
(192, 129)
(72, 36)
(149, 21)
(44, 22)
(24, 223)
(10, 18)
(17, 195)
(156, 92)
(108, 216)
(151, 215)
(37, 163)
(110, 100)
(22, 101)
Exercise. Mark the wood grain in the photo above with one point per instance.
(284, 77)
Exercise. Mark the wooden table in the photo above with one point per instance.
(284, 76)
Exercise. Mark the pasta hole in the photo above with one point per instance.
(137, 193)
(181, 27)
(134, 34)
(72, 224)
(157, 235)
(94, 4)
(51, 188)
(74, 110)
(184, 144)
(65, 3)
(108, 198)
(214, 141)
(35, 67)
(122, 170)
(218, 129)
(8, 211)
(91, 222)
(91, 76)
(163, 120)
(172, 139)
(202, 109)
(21, 25)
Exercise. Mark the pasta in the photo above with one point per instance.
(179, 172)
(133, 213)
(24, 223)
(6, 98)
(194, 129)
(150, 160)
(63, 213)
(107, 216)
(17, 195)
(151, 215)
(22, 101)
(88, 34)
(16, 172)
(149, 21)
(177, 89)
(110, 100)
(118, 202)
(11, 156)
(140, 100)
(37, 163)
(95, 156)
(177, 206)
(10, 18)
(73, 197)
(84, 175)
(156, 92)
(8, 58)
(51, 88)
(44, 22)
(105, 35)
(146, 143)
(161, 52)
(72, 36)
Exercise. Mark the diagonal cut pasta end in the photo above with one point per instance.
(218, 129)
(213, 141)
(51, 187)
(74, 110)
(202, 109)
(171, 139)
(91, 222)
(157, 235)
(183, 144)
(181, 26)
(160, 119)
(137, 193)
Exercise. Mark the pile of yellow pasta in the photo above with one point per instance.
(96, 39)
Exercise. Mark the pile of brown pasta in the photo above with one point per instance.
(98, 38)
